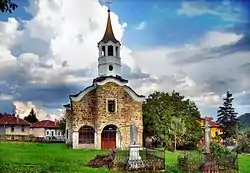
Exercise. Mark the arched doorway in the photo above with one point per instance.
(108, 138)
(86, 135)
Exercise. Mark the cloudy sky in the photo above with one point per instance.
(48, 50)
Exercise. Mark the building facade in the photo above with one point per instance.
(100, 116)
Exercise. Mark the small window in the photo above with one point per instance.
(110, 51)
(52, 133)
(12, 128)
(47, 132)
(111, 105)
(22, 129)
(103, 51)
(67, 134)
(116, 49)
(59, 133)
(110, 67)
(216, 133)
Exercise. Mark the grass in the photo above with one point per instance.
(57, 158)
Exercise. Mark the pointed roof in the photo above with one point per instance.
(109, 35)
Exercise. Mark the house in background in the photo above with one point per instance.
(215, 130)
(47, 129)
(13, 125)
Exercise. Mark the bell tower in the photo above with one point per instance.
(109, 61)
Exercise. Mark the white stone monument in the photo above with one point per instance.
(134, 161)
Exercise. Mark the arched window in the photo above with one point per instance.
(103, 51)
(116, 50)
(86, 135)
(110, 51)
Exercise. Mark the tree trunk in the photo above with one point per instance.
(174, 142)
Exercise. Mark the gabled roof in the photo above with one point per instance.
(45, 124)
(211, 122)
(12, 120)
(102, 78)
(109, 35)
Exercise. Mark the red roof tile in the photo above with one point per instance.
(45, 124)
(211, 122)
(12, 120)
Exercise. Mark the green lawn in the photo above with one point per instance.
(57, 158)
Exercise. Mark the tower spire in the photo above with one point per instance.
(109, 34)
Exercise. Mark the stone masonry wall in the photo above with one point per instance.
(128, 110)
(68, 127)
(84, 111)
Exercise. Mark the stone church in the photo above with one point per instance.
(100, 115)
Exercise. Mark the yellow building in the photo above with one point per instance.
(215, 130)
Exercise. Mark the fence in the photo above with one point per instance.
(152, 159)
(30, 138)
(191, 162)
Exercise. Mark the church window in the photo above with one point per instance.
(116, 50)
(110, 51)
(86, 135)
(110, 67)
(103, 51)
(111, 106)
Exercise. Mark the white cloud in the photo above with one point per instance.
(58, 47)
(229, 11)
(216, 39)
(141, 25)
(23, 109)
(6, 97)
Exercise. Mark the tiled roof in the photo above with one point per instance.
(45, 124)
(12, 120)
(109, 35)
(211, 122)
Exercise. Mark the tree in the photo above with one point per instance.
(62, 124)
(227, 118)
(158, 111)
(31, 118)
(7, 6)
(178, 129)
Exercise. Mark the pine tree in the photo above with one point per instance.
(227, 117)
(31, 118)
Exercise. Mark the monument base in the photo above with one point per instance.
(135, 161)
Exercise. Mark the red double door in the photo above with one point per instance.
(108, 140)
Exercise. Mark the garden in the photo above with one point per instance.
(17, 157)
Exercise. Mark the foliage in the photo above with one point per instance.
(178, 129)
(7, 6)
(62, 124)
(31, 118)
(244, 141)
(189, 161)
(158, 111)
(218, 150)
(227, 118)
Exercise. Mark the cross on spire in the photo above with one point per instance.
(108, 2)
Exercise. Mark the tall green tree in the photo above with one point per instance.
(7, 6)
(177, 129)
(31, 118)
(62, 124)
(158, 111)
(227, 117)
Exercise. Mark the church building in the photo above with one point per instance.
(100, 116)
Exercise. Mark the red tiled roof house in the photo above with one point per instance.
(12, 125)
(46, 128)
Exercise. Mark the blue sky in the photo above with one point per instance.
(188, 46)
